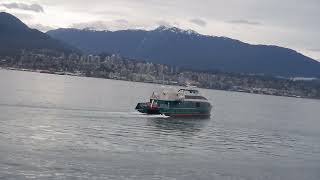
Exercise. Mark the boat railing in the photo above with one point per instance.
(165, 95)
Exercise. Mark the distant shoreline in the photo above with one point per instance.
(83, 75)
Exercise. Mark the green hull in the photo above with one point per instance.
(184, 108)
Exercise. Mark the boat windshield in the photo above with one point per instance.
(191, 91)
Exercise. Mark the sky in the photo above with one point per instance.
(292, 24)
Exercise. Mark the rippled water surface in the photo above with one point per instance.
(63, 127)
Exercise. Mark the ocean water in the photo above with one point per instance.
(63, 127)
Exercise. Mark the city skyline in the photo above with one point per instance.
(119, 68)
(286, 23)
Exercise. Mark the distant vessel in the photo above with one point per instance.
(186, 102)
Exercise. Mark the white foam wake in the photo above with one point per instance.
(134, 115)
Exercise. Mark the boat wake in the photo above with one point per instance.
(134, 115)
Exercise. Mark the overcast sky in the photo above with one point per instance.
(289, 23)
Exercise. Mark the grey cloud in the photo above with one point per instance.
(247, 22)
(23, 6)
(199, 22)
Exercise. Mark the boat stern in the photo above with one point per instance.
(147, 108)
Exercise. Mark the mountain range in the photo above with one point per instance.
(165, 45)
(15, 36)
(189, 49)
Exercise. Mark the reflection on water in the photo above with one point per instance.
(186, 126)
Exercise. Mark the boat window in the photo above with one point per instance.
(197, 104)
(195, 97)
(190, 91)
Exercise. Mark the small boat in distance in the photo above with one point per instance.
(186, 102)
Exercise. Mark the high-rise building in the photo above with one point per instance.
(90, 58)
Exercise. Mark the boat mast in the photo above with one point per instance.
(163, 79)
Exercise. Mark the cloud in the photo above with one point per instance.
(163, 23)
(22, 6)
(315, 50)
(94, 25)
(198, 22)
(23, 16)
(242, 21)
(122, 21)
(41, 27)
(117, 24)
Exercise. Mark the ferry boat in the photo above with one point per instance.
(186, 102)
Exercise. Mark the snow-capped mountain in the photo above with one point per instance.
(175, 30)
(187, 48)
